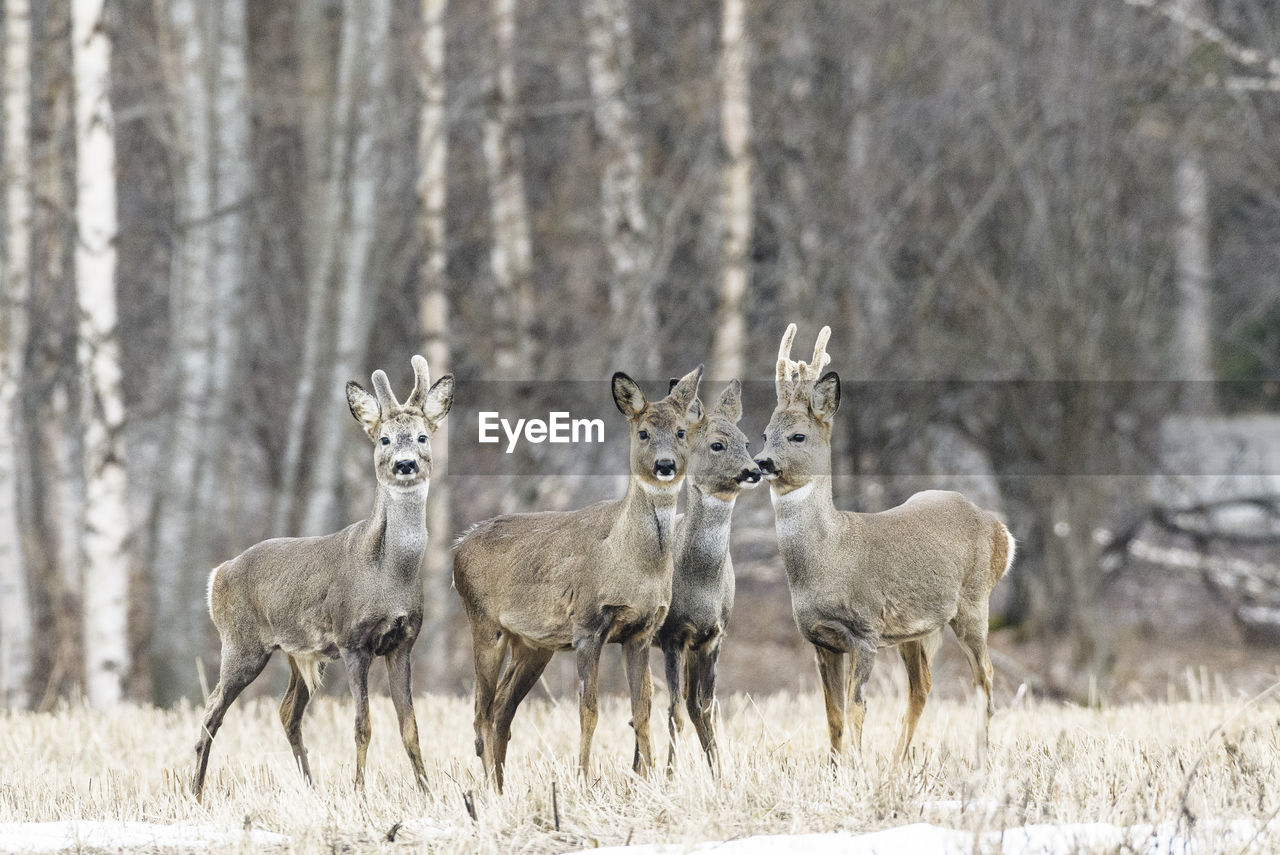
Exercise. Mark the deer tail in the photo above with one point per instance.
(311, 669)
(1003, 548)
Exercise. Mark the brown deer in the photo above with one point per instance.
(355, 594)
(536, 583)
(860, 582)
(703, 586)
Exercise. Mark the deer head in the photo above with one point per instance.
(722, 465)
(659, 429)
(401, 433)
(797, 440)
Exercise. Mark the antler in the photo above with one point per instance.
(798, 377)
(387, 402)
(421, 383)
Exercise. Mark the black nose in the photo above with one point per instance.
(665, 466)
(406, 467)
(766, 464)
(750, 475)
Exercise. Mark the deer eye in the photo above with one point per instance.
(680, 434)
(796, 437)
(643, 434)
(386, 440)
(422, 437)
(717, 446)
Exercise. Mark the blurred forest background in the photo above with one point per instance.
(1046, 233)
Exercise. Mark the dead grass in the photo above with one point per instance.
(1046, 764)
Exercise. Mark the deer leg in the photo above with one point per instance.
(863, 657)
(292, 707)
(702, 695)
(971, 630)
(357, 662)
(831, 671)
(400, 682)
(527, 664)
(635, 652)
(673, 654)
(239, 668)
(587, 648)
(490, 647)
(919, 681)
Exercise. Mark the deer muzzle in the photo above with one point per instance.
(768, 468)
(405, 468)
(664, 469)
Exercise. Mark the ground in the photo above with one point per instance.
(1139, 775)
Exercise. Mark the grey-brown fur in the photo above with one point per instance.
(536, 583)
(703, 585)
(355, 594)
(860, 582)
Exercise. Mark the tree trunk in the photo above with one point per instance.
(1191, 260)
(325, 140)
(211, 188)
(105, 572)
(15, 279)
(433, 318)
(357, 297)
(510, 254)
(624, 226)
(730, 341)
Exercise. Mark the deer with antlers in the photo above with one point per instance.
(355, 594)
(859, 581)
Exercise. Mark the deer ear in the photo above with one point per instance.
(627, 395)
(730, 403)
(364, 407)
(683, 393)
(438, 400)
(696, 411)
(671, 384)
(824, 400)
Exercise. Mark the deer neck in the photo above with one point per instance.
(704, 538)
(397, 531)
(647, 521)
(804, 517)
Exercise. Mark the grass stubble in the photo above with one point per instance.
(1195, 762)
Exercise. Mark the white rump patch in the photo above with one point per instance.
(208, 594)
(1013, 549)
(309, 665)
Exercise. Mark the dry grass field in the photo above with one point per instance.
(1202, 762)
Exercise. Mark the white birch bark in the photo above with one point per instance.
(105, 570)
(434, 320)
(510, 254)
(356, 297)
(624, 226)
(735, 130)
(15, 279)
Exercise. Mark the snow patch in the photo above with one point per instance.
(26, 837)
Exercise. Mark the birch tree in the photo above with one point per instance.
(368, 33)
(15, 279)
(510, 252)
(735, 201)
(624, 226)
(105, 573)
(209, 82)
(1195, 321)
(434, 315)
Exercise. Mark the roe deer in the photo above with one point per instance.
(860, 582)
(702, 588)
(355, 594)
(536, 583)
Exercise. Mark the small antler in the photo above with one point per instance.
(798, 377)
(421, 382)
(387, 402)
